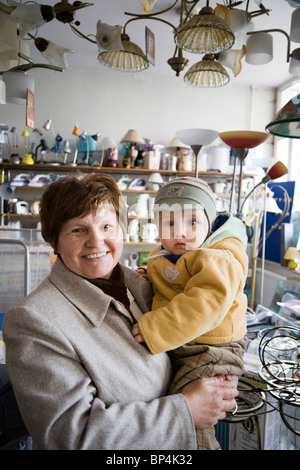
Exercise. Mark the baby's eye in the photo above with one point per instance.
(169, 223)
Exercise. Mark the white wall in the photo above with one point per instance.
(114, 102)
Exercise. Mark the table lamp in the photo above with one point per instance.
(293, 255)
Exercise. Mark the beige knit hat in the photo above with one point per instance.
(186, 193)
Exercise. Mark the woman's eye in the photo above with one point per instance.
(77, 230)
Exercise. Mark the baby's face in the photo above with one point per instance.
(181, 231)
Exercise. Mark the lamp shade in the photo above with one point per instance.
(292, 253)
(268, 203)
(294, 68)
(232, 58)
(237, 19)
(16, 84)
(259, 49)
(287, 121)
(109, 143)
(53, 53)
(133, 136)
(197, 136)
(204, 33)
(130, 59)
(276, 171)
(31, 17)
(295, 26)
(207, 73)
(176, 144)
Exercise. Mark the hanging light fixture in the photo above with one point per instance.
(259, 49)
(129, 59)
(205, 33)
(53, 53)
(16, 84)
(207, 73)
(232, 59)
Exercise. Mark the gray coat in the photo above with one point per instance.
(81, 380)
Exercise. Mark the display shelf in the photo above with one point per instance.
(10, 170)
(54, 168)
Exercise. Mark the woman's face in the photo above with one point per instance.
(91, 246)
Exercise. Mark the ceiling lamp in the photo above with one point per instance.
(260, 45)
(55, 55)
(16, 84)
(232, 59)
(259, 49)
(205, 33)
(287, 121)
(207, 73)
(130, 59)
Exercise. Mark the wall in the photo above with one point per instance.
(114, 102)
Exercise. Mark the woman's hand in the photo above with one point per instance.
(209, 398)
(137, 334)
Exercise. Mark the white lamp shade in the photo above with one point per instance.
(295, 26)
(55, 55)
(29, 17)
(232, 59)
(155, 178)
(2, 92)
(294, 68)
(147, 5)
(237, 20)
(109, 143)
(16, 84)
(259, 49)
(197, 136)
(271, 205)
(108, 37)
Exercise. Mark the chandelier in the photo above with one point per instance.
(201, 30)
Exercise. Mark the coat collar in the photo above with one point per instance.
(90, 300)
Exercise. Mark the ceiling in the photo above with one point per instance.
(112, 12)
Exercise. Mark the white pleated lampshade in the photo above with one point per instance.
(259, 49)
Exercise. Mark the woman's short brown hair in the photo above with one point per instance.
(78, 195)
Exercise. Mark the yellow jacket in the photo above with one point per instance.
(199, 298)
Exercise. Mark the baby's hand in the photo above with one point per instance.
(137, 334)
(142, 272)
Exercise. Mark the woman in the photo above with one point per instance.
(80, 378)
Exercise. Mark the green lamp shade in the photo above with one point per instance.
(287, 121)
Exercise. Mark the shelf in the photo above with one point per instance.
(48, 167)
(13, 214)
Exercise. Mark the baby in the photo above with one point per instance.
(198, 276)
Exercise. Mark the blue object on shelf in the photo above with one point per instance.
(82, 144)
